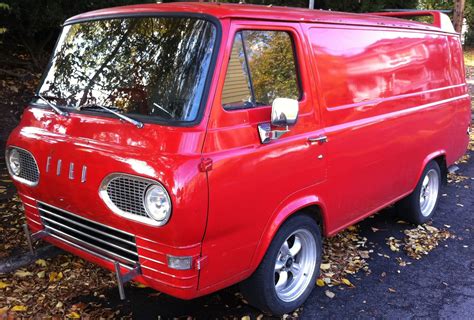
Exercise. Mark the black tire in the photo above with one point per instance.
(410, 208)
(260, 289)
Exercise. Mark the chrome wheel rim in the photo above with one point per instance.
(429, 192)
(295, 265)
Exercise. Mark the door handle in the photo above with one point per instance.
(319, 139)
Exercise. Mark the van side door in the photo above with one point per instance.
(250, 181)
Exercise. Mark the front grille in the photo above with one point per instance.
(29, 171)
(127, 194)
(95, 237)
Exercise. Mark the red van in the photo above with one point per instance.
(191, 146)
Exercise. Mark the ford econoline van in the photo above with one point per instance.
(192, 146)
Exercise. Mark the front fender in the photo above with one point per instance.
(287, 208)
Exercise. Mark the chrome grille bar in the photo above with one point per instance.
(85, 235)
(45, 205)
(59, 233)
(87, 227)
(78, 246)
(97, 237)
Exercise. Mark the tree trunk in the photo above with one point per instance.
(459, 14)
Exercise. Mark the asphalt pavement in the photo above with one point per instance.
(438, 286)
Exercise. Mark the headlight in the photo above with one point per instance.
(157, 203)
(14, 162)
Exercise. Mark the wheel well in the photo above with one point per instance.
(441, 160)
(314, 212)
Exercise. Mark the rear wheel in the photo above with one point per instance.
(288, 271)
(420, 206)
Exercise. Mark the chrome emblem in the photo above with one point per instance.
(71, 172)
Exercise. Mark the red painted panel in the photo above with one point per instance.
(249, 181)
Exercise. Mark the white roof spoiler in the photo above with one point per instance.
(440, 20)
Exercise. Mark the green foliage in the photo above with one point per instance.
(5, 7)
(272, 66)
(36, 23)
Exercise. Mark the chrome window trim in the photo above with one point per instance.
(103, 194)
(20, 179)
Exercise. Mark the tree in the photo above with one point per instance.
(459, 14)
(36, 23)
(3, 6)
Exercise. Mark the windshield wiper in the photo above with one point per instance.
(136, 123)
(52, 106)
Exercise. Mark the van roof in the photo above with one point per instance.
(260, 12)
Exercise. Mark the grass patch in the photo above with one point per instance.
(469, 57)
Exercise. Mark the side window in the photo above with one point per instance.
(262, 67)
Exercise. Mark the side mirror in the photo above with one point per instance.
(284, 114)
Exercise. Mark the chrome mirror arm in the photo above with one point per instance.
(267, 134)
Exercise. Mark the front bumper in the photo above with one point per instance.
(151, 256)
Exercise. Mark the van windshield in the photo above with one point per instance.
(147, 66)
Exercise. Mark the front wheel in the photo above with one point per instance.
(419, 207)
(288, 271)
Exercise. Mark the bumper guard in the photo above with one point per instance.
(122, 278)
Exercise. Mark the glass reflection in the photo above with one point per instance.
(261, 68)
(154, 66)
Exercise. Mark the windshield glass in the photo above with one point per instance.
(152, 66)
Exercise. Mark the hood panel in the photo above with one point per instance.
(76, 153)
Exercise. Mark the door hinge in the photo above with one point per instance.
(205, 165)
(200, 262)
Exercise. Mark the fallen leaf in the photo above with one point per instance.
(330, 294)
(55, 276)
(320, 283)
(245, 318)
(3, 285)
(139, 285)
(374, 229)
(41, 274)
(41, 262)
(23, 273)
(325, 266)
(3, 310)
(431, 229)
(394, 244)
(74, 315)
(19, 308)
(347, 282)
(392, 290)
